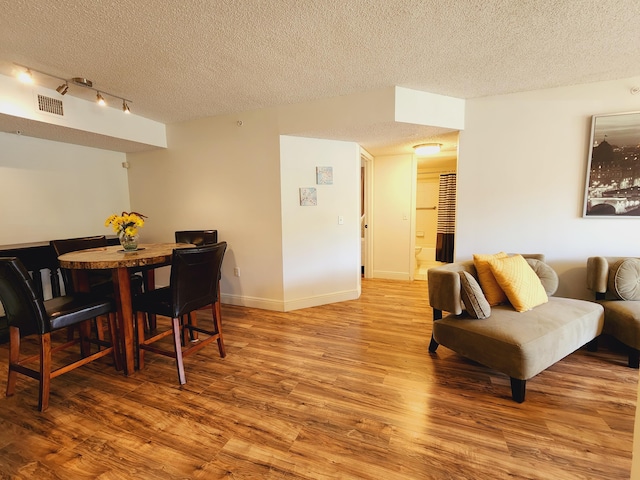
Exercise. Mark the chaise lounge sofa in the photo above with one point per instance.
(616, 284)
(520, 344)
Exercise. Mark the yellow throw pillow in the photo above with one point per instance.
(492, 291)
(519, 282)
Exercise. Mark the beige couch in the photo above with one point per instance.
(518, 344)
(616, 284)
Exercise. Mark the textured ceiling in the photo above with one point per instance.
(197, 58)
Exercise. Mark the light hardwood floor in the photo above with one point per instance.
(342, 391)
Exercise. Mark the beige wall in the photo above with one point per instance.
(521, 178)
(320, 255)
(217, 174)
(54, 190)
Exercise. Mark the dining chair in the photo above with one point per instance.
(99, 280)
(193, 284)
(28, 315)
(197, 237)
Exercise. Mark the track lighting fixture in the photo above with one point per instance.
(27, 77)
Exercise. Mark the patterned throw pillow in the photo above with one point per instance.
(624, 279)
(519, 282)
(492, 291)
(474, 300)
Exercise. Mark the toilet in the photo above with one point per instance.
(418, 250)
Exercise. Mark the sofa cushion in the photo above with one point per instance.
(472, 297)
(519, 282)
(622, 320)
(547, 275)
(624, 279)
(492, 291)
(522, 345)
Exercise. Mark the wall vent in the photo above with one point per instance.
(50, 105)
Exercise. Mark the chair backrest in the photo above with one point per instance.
(67, 245)
(194, 277)
(197, 237)
(22, 305)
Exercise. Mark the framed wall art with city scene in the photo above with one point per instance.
(613, 169)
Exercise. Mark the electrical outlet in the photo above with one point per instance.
(340, 220)
(236, 271)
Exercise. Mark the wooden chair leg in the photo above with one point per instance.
(14, 358)
(140, 324)
(217, 325)
(193, 320)
(85, 338)
(115, 341)
(45, 371)
(177, 343)
(100, 330)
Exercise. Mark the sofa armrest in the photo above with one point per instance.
(597, 274)
(444, 286)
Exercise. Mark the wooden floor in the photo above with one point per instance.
(342, 391)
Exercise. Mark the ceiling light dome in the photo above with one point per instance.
(427, 149)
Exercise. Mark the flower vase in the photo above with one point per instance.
(129, 242)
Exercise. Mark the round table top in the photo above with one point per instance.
(115, 257)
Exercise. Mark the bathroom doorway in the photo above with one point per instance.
(430, 169)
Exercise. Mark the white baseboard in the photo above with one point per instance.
(281, 306)
(391, 275)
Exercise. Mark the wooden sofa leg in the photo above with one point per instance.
(634, 358)
(433, 345)
(518, 389)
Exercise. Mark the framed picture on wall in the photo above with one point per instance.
(308, 197)
(324, 175)
(613, 167)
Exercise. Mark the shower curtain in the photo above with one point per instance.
(446, 218)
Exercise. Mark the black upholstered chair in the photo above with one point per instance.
(28, 315)
(193, 285)
(100, 281)
(197, 237)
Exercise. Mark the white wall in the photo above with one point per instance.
(521, 177)
(54, 190)
(321, 258)
(393, 210)
(217, 174)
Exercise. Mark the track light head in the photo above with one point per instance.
(100, 100)
(62, 89)
(125, 107)
(25, 76)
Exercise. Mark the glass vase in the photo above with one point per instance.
(129, 242)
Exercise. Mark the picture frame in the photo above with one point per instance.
(308, 197)
(612, 187)
(324, 175)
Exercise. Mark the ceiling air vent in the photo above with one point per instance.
(50, 105)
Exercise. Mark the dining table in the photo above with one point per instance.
(121, 263)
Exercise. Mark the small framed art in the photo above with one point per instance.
(308, 197)
(324, 175)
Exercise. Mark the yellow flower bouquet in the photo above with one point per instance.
(126, 226)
